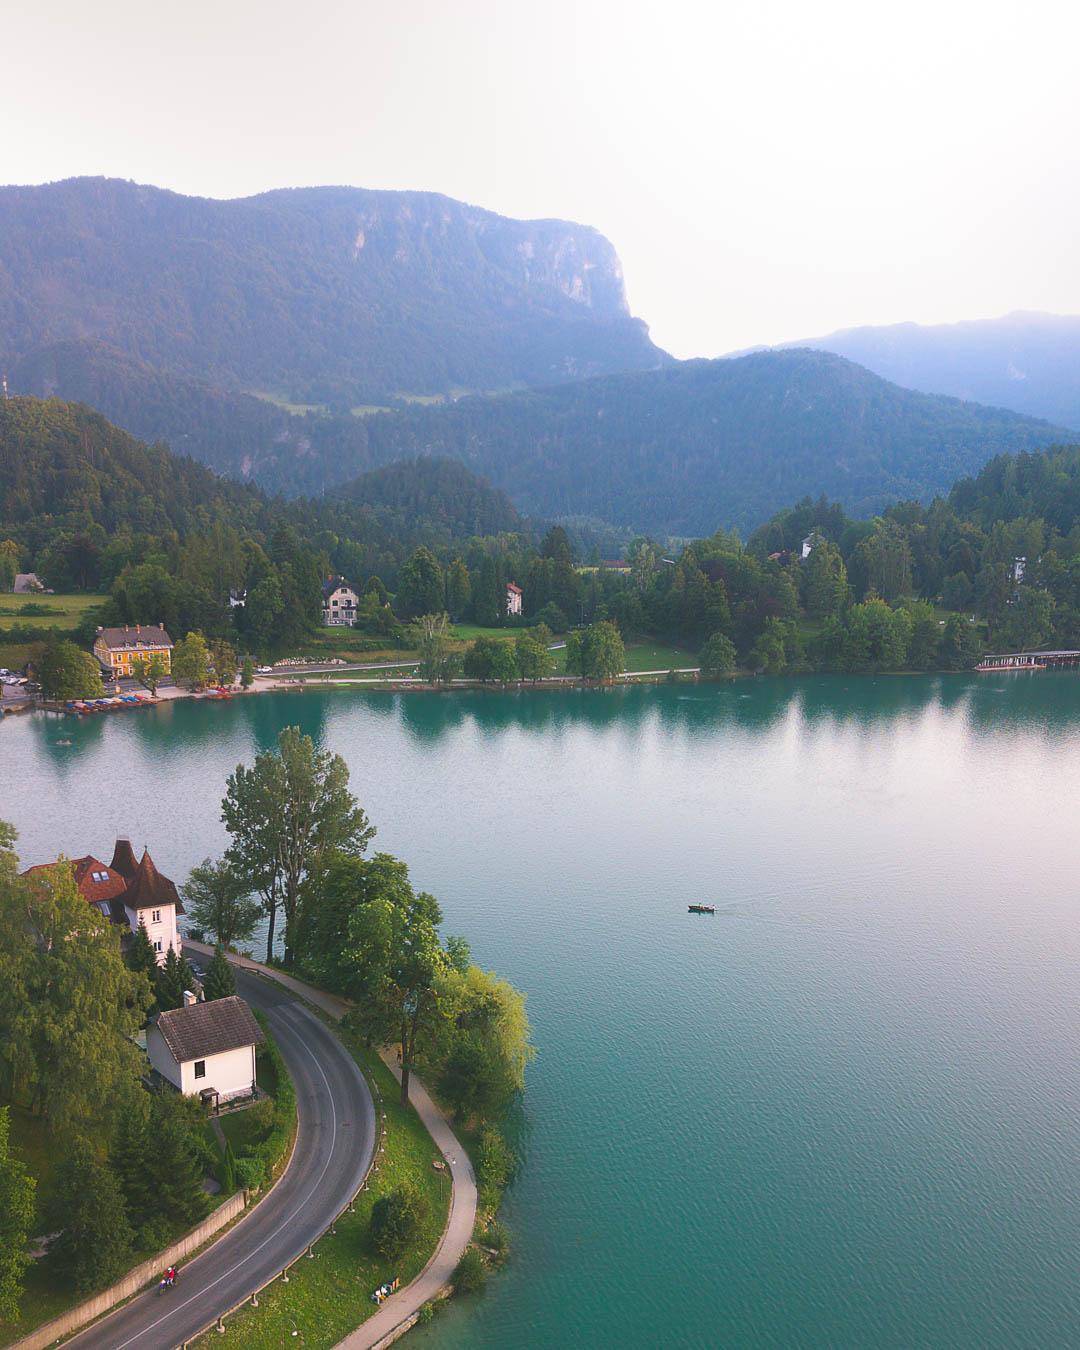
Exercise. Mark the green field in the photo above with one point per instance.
(65, 610)
(279, 401)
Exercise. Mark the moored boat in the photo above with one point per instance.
(702, 909)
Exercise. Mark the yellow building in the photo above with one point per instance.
(118, 648)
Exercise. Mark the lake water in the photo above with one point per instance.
(843, 1111)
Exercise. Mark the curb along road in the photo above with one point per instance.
(335, 1142)
(399, 1311)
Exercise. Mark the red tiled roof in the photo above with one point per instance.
(511, 587)
(88, 870)
(136, 885)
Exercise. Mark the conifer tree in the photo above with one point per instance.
(169, 985)
(174, 1165)
(88, 1210)
(131, 1148)
(219, 982)
(140, 954)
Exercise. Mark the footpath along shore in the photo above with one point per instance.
(399, 1312)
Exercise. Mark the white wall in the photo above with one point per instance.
(230, 1074)
(158, 1053)
(164, 931)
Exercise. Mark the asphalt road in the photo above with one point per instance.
(333, 1147)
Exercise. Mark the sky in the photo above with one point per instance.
(767, 170)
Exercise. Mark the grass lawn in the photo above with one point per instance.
(14, 655)
(657, 656)
(469, 632)
(31, 1147)
(65, 610)
(329, 1295)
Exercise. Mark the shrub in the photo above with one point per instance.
(495, 1164)
(497, 1238)
(250, 1173)
(396, 1219)
(427, 1312)
(471, 1272)
(154, 1234)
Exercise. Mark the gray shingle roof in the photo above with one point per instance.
(205, 1029)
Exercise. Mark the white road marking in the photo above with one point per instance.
(318, 1182)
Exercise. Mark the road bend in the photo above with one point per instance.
(334, 1144)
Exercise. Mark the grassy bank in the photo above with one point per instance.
(330, 1295)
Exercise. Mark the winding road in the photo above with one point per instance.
(334, 1144)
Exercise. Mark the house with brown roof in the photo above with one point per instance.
(127, 892)
(206, 1049)
(117, 649)
(513, 598)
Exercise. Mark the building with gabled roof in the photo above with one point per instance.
(127, 892)
(117, 649)
(513, 598)
(206, 1049)
(340, 604)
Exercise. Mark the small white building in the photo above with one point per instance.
(206, 1049)
(341, 603)
(513, 598)
(808, 546)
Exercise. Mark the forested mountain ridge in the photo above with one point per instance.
(1028, 362)
(679, 450)
(322, 295)
(81, 499)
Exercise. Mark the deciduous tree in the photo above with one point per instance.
(219, 901)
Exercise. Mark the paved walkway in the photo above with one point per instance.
(400, 1310)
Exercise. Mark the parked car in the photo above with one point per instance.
(265, 670)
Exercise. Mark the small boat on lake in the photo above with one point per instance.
(702, 909)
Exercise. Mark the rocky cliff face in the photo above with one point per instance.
(325, 295)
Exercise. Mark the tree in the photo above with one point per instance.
(717, 656)
(69, 1006)
(140, 955)
(504, 666)
(175, 978)
(825, 582)
(129, 1158)
(923, 648)
(551, 615)
(391, 964)
(16, 1217)
(224, 661)
(191, 660)
(597, 653)
(480, 658)
(534, 660)
(87, 1208)
(175, 1166)
(421, 587)
(1027, 619)
(287, 815)
(458, 588)
(150, 670)
(67, 672)
(247, 673)
(437, 662)
(396, 1220)
(219, 901)
(220, 981)
(960, 644)
(488, 1034)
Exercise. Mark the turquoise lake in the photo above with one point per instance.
(842, 1112)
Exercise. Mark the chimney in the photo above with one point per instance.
(189, 998)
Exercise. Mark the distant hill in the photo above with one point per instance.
(1027, 362)
(703, 443)
(325, 296)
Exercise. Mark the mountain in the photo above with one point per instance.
(1027, 362)
(327, 296)
(703, 443)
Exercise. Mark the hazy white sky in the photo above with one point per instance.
(767, 170)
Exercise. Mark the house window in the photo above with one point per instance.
(200, 1068)
(157, 945)
(155, 916)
